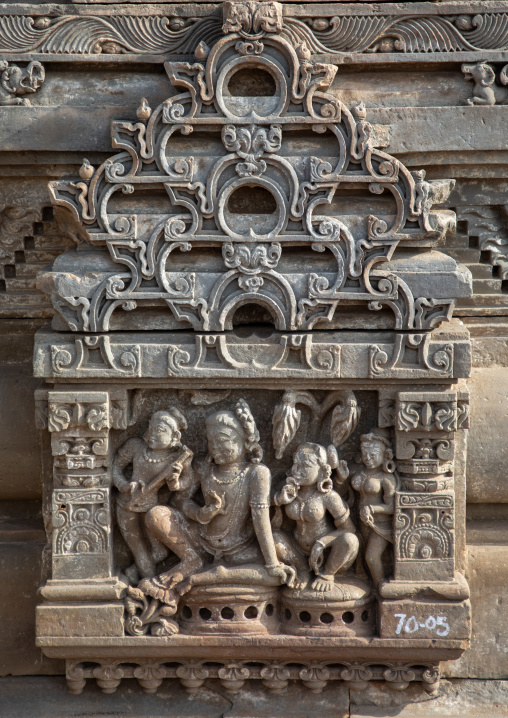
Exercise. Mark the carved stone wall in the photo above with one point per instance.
(257, 251)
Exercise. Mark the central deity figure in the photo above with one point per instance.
(229, 538)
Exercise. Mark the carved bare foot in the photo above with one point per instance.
(302, 580)
(172, 578)
(323, 583)
(185, 586)
(152, 587)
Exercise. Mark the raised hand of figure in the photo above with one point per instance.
(342, 471)
(316, 556)
(173, 481)
(285, 573)
(135, 487)
(219, 502)
(286, 494)
(216, 506)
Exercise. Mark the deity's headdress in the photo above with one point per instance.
(242, 421)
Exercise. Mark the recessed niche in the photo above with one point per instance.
(252, 200)
(253, 315)
(251, 82)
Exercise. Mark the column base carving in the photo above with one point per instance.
(347, 610)
(100, 589)
(456, 589)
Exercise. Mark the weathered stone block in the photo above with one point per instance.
(20, 567)
(102, 619)
(487, 656)
(19, 447)
(457, 699)
(487, 448)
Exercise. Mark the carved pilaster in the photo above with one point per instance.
(79, 423)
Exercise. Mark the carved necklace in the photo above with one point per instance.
(157, 461)
(235, 478)
(232, 518)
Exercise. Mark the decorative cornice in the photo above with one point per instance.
(365, 31)
(274, 675)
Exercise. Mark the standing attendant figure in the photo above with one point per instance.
(376, 484)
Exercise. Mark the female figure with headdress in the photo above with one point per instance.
(376, 483)
(321, 518)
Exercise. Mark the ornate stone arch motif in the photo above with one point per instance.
(262, 142)
(253, 189)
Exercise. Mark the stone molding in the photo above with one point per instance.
(274, 675)
(419, 29)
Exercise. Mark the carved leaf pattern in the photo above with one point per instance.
(97, 418)
(345, 417)
(59, 417)
(408, 417)
(286, 420)
(111, 35)
(349, 33)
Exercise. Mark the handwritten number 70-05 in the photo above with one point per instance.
(439, 624)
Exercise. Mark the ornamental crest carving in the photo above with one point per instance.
(249, 160)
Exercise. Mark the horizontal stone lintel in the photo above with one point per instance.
(321, 355)
(252, 647)
(412, 129)
(343, 58)
(314, 8)
(200, 8)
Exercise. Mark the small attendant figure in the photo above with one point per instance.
(157, 459)
(376, 484)
(321, 516)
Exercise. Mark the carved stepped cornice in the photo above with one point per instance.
(352, 31)
(138, 254)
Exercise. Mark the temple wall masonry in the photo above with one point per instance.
(254, 359)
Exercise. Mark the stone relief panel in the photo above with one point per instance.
(256, 409)
(15, 82)
(485, 85)
(81, 537)
(238, 513)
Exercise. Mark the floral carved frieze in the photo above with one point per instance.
(441, 30)
(270, 354)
